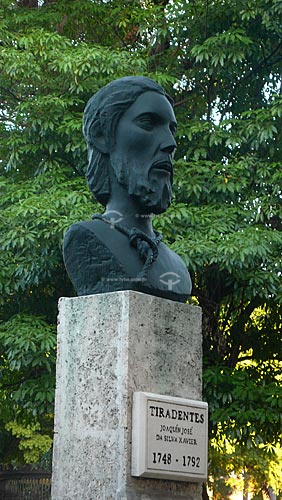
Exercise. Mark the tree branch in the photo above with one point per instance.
(247, 76)
(29, 4)
(9, 92)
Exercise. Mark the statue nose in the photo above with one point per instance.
(169, 149)
(169, 145)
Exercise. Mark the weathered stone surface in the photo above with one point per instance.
(110, 345)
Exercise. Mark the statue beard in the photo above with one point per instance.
(151, 187)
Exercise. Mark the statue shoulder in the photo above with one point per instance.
(88, 260)
(81, 228)
(177, 272)
(82, 245)
(81, 232)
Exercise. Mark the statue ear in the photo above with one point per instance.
(101, 143)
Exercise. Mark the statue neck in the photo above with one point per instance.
(125, 209)
(129, 216)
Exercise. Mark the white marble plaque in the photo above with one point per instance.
(169, 437)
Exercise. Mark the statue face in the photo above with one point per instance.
(143, 151)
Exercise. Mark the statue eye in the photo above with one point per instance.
(146, 121)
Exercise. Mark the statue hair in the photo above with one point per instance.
(101, 116)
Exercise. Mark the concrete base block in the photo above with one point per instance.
(110, 345)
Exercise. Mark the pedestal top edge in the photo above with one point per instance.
(126, 294)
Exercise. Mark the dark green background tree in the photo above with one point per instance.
(221, 62)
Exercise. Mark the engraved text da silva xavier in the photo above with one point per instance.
(129, 126)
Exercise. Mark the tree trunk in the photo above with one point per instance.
(205, 495)
(271, 493)
(246, 487)
(31, 4)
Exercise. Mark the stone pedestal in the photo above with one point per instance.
(110, 345)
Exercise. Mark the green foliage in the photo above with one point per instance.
(238, 467)
(27, 369)
(33, 444)
(221, 62)
(244, 402)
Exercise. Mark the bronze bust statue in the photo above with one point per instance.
(129, 128)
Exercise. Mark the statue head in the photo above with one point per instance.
(102, 115)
